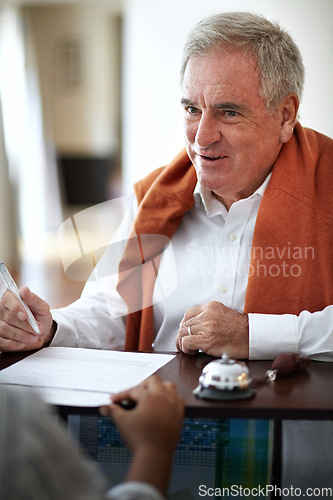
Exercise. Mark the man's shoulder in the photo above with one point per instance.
(303, 171)
(320, 144)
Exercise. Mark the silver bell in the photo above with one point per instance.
(225, 379)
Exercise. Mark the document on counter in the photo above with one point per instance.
(82, 377)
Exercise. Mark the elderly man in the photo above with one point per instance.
(247, 206)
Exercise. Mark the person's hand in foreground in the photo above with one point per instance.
(16, 334)
(151, 429)
(215, 329)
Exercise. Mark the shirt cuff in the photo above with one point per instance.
(134, 490)
(272, 334)
(65, 334)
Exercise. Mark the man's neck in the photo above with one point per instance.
(228, 201)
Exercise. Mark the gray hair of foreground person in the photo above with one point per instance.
(279, 59)
(36, 460)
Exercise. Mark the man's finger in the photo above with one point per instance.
(35, 303)
(190, 344)
(192, 312)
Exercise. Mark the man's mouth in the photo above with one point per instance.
(212, 158)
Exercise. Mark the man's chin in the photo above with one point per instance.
(213, 184)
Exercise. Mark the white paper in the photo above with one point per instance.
(82, 377)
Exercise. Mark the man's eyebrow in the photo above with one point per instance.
(186, 102)
(232, 106)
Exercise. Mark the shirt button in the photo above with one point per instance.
(232, 236)
(224, 289)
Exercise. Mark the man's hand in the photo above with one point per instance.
(216, 330)
(16, 334)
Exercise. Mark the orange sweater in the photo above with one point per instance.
(291, 265)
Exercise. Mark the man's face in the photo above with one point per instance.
(230, 137)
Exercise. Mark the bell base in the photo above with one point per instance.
(217, 394)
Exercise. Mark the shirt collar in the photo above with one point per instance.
(213, 206)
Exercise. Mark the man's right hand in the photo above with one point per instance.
(16, 334)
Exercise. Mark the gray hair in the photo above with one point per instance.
(38, 459)
(278, 57)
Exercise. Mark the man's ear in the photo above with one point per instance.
(288, 109)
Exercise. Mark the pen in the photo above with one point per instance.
(127, 404)
(11, 285)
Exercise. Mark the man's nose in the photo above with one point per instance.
(208, 131)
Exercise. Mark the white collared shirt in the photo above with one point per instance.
(208, 260)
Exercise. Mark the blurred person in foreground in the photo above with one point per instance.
(39, 460)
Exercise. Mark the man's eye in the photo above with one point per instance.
(191, 110)
(231, 113)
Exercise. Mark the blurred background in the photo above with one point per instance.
(89, 103)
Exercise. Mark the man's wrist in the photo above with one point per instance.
(246, 334)
(51, 334)
(283, 335)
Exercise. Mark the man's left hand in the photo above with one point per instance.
(216, 330)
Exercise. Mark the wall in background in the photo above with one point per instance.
(8, 245)
(78, 52)
(78, 49)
